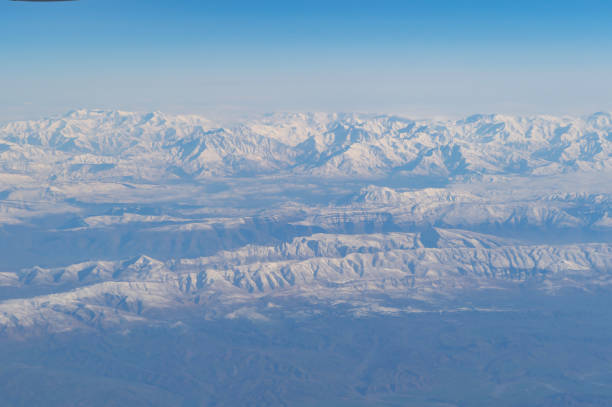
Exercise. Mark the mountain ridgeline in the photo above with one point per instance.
(91, 144)
(112, 218)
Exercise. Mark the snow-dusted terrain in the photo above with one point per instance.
(109, 218)
(111, 145)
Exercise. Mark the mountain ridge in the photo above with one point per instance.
(95, 143)
(111, 218)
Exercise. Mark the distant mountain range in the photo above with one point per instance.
(110, 218)
(93, 144)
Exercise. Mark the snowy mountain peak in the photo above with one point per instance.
(320, 145)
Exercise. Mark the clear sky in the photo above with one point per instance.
(419, 58)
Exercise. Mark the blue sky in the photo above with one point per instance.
(419, 58)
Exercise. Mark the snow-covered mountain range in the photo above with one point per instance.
(155, 147)
(110, 218)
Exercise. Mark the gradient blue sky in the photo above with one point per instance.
(419, 58)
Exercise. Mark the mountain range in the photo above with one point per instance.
(111, 218)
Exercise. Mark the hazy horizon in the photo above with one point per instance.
(414, 58)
